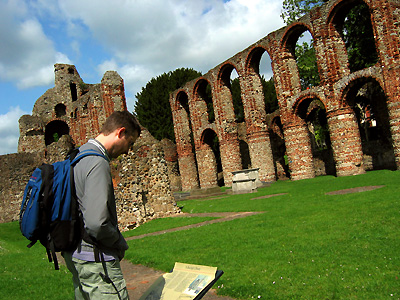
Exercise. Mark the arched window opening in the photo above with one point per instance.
(268, 83)
(74, 93)
(368, 101)
(204, 92)
(356, 30)
(314, 114)
(279, 149)
(183, 100)
(54, 131)
(237, 101)
(211, 139)
(306, 61)
(60, 110)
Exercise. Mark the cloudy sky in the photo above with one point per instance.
(140, 39)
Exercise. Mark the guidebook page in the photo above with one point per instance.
(185, 282)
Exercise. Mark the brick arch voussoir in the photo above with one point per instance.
(340, 8)
(175, 99)
(349, 82)
(225, 70)
(292, 34)
(196, 85)
(305, 96)
(253, 58)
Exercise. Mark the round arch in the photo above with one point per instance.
(55, 130)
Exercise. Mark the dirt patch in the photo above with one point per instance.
(222, 217)
(268, 196)
(355, 190)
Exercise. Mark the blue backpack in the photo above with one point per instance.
(49, 210)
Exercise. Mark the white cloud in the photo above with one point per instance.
(9, 132)
(164, 35)
(148, 38)
(27, 55)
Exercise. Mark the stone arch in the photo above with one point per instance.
(313, 111)
(184, 140)
(289, 42)
(54, 130)
(203, 100)
(367, 99)
(60, 110)
(182, 100)
(288, 45)
(225, 93)
(74, 91)
(278, 146)
(336, 19)
(258, 139)
(209, 156)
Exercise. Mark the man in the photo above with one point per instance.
(95, 264)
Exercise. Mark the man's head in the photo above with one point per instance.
(119, 132)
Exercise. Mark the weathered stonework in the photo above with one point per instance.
(68, 115)
(346, 154)
(72, 107)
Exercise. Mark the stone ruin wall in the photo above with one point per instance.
(269, 137)
(75, 111)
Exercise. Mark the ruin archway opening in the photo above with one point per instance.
(369, 103)
(237, 101)
(54, 131)
(210, 139)
(60, 110)
(74, 92)
(313, 112)
(353, 22)
(260, 64)
(182, 100)
(281, 163)
(299, 45)
(306, 61)
(203, 92)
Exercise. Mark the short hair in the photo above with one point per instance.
(120, 119)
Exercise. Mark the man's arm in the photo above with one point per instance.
(98, 207)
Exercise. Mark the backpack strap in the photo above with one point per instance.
(78, 156)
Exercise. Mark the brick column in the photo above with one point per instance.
(186, 158)
(392, 90)
(230, 158)
(256, 125)
(261, 155)
(346, 142)
(207, 167)
(188, 171)
(298, 148)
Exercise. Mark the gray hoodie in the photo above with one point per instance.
(95, 192)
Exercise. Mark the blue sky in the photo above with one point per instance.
(139, 39)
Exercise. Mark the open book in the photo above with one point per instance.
(185, 282)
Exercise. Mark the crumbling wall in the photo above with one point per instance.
(65, 117)
(142, 186)
(72, 107)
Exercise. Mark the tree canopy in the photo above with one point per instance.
(152, 106)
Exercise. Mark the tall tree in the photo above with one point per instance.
(295, 9)
(152, 106)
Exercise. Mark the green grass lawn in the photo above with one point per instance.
(306, 244)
